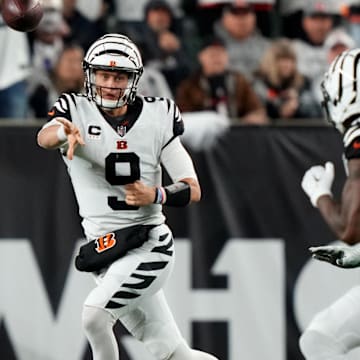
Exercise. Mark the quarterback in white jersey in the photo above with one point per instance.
(114, 143)
(118, 154)
(335, 331)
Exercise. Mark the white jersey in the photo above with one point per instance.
(115, 155)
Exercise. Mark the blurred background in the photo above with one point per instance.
(246, 76)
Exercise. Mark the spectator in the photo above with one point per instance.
(129, 17)
(66, 76)
(14, 69)
(83, 31)
(336, 42)
(161, 43)
(214, 87)
(279, 84)
(92, 12)
(153, 83)
(291, 14)
(105, 16)
(317, 22)
(203, 15)
(129, 14)
(245, 45)
(47, 41)
(352, 17)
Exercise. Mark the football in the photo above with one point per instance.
(22, 15)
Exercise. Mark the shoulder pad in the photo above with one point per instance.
(174, 112)
(61, 108)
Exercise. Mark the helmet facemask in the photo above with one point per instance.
(112, 53)
(126, 94)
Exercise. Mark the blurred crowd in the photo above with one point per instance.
(247, 62)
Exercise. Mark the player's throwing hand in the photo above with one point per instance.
(73, 136)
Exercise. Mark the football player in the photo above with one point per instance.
(113, 142)
(335, 331)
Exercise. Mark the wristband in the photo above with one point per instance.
(61, 133)
(160, 196)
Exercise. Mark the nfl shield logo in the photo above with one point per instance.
(121, 130)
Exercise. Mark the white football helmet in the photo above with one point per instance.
(341, 90)
(112, 52)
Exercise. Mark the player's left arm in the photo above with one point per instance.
(184, 190)
(180, 168)
(178, 163)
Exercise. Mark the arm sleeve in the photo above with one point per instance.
(177, 161)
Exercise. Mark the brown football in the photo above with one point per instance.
(22, 15)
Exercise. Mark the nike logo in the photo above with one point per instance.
(356, 145)
(51, 113)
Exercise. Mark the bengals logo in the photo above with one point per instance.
(105, 242)
(121, 145)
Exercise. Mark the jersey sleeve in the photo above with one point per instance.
(177, 161)
(174, 123)
(352, 142)
(61, 108)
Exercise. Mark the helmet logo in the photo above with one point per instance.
(112, 63)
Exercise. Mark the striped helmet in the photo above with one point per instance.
(112, 52)
(341, 90)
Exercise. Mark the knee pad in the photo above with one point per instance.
(334, 331)
(98, 327)
(161, 339)
(317, 346)
(96, 320)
